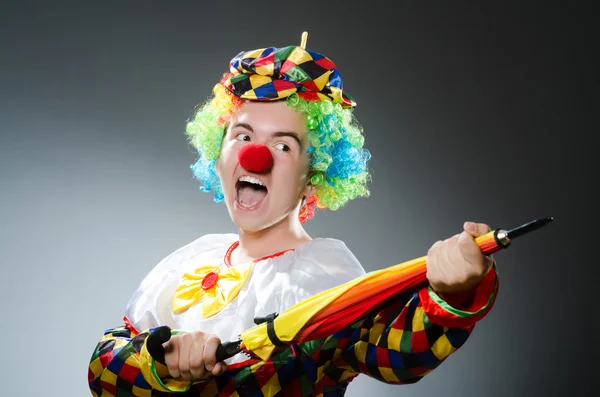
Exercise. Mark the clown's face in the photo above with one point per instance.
(263, 165)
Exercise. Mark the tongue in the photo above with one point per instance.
(249, 196)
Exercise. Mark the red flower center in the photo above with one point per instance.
(209, 281)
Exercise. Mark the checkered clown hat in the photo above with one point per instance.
(270, 74)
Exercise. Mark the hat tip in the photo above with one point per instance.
(303, 40)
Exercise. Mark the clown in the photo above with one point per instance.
(277, 141)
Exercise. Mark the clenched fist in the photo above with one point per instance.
(193, 355)
(456, 265)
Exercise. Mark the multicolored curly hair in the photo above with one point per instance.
(338, 159)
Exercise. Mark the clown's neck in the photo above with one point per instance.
(258, 244)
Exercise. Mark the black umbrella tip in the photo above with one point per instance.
(529, 227)
(539, 222)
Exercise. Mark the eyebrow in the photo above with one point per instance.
(290, 134)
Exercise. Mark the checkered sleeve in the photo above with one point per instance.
(409, 338)
(114, 368)
(122, 366)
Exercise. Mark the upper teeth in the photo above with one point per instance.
(251, 179)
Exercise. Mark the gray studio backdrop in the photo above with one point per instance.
(471, 113)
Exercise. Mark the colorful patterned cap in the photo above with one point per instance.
(270, 74)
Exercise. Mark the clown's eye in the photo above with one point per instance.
(242, 137)
(283, 146)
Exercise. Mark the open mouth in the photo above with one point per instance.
(250, 192)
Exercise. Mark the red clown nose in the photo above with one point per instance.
(255, 158)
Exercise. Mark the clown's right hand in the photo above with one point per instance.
(193, 356)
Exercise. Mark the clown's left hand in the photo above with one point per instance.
(456, 266)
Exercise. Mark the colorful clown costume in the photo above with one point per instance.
(196, 288)
(395, 344)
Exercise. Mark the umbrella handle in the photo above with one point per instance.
(162, 334)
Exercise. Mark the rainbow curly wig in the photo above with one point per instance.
(338, 159)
